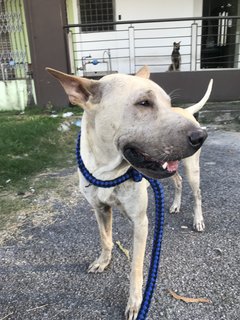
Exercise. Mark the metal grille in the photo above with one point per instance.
(13, 43)
(96, 11)
(150, 42)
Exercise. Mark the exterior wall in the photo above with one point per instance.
(85, 43)
(72, 11)
(13, 95)
(130, 42)
(157, 9)
(142, 10)
(191, 86)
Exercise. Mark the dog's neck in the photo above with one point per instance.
(100, 158)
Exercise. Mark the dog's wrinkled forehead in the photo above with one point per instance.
(132, 88)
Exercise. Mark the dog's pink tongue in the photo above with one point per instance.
(172, 166)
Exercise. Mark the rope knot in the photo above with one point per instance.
(136, 176)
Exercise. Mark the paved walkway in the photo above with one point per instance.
(43, 269)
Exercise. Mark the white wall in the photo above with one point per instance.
(157, 9)
(152, 46)
(13, 95)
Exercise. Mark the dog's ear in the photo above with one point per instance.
(78, 89)
(143, 72)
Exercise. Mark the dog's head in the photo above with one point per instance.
(133, 116)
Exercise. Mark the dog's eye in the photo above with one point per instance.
(145, 103)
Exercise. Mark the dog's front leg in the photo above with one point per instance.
(136, 276)
(104, 218)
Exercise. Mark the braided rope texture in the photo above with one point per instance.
(159, 222)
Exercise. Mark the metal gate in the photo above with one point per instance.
(15, 63)
(14, 55)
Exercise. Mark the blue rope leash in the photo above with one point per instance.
(159, 221)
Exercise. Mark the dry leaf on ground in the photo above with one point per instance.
(125, 251)
(187, 300)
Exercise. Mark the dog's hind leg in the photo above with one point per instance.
(193, 174)
(177, 179)
(104, 218)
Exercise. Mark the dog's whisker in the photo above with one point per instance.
(174, 95)
(171, 94)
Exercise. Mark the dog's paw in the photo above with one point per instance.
(133, 307)
(99, 265)
(174, 208)
(199, 226)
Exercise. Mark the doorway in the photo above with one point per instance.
(219, 35)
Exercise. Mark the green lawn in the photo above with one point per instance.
(31, 143)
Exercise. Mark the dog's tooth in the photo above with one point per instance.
(165, 165)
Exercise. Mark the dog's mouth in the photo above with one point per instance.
(149, 166)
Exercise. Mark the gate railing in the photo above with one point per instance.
(14, 52)
(133, 44)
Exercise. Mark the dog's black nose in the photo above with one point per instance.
(197, 137)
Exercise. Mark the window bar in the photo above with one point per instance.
(225, 29)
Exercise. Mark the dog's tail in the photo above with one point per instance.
(198, 106)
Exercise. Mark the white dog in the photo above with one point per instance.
(129, 121)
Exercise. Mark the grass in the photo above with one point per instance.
(31, 143)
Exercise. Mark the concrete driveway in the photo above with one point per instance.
(43, 265)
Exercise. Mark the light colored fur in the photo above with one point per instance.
(192, 169)
(113, 116)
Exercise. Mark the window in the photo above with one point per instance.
(96, 11)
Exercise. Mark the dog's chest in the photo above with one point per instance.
(117, 196)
